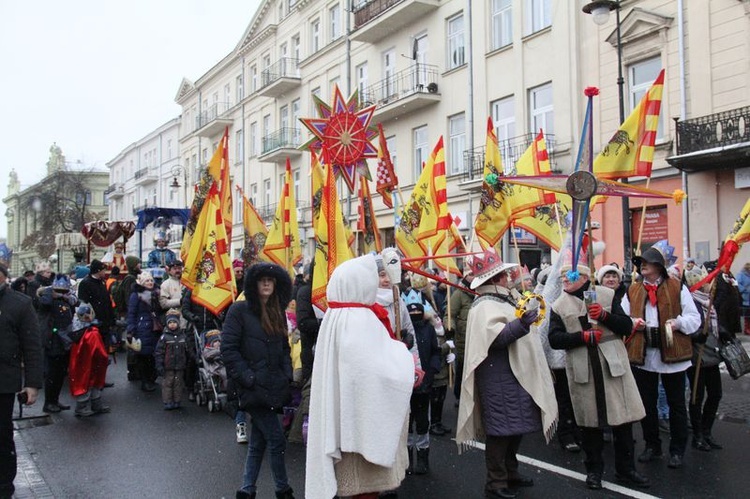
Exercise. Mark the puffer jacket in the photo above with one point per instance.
(507, 408)
(55, 314)
(258, 363)
(172, 351)
(141, 315)
(429, 353)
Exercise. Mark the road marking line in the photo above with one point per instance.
(572, 474)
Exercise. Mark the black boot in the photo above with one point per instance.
(241, 494)
(423, 461)
(410, 469)
(699, 443)
(285, 494)
(711, 442)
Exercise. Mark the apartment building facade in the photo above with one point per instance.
(441, 67)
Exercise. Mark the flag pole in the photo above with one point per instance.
(559, 224)
(515, 242)
(643, 219)
(448, 315)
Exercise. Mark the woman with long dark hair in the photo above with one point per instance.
(257, 357)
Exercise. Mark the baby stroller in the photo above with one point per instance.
(211, 382)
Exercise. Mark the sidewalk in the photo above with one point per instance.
(29, 482)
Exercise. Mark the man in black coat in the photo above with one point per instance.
(19, 343)
(93, 290)
(307, 323)
(43, 278)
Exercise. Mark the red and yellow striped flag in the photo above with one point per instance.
(331, 245)
(317, 172)
(208, 177)
(630, 151)
(208, 270)
(534, 161)
(283, 245)
(386, 175)
(494, 215)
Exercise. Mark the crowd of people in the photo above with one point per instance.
(363, 384)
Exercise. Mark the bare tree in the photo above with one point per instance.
(62, 203)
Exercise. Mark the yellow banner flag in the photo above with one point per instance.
(545, 222)
(494, 215)
(534, 161)
(208, 177)
(740, 232)
(318, 179)
(283, 245)
(208, 270)
(331, 245)
(425, 227)
(255, 232)
(630, 151)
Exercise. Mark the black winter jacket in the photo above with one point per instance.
(94, 292)
(260, 364)
(429, 353)
(19, 342)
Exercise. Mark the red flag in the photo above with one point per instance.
(386, 176)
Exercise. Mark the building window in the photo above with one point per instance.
(456, 41)
(540, 110)
(227, 95)
(296, 47)
(268, 193)
(281, 11)
(295, 114)
(284, 123)
(296, 179)
(420, 149)
(314, 93)
(315, 35)
(504, 119)
(254, 139)
(457, 142)
(266, 130)
(361, 72)
(239, 146)
(390, 142)
(502, 23)
(253, 78)
(237, 207)
(640, 78)
(334, 14)
(389, 70)
(254, 194)
(240, 88)
(332, 84)
(540, 15)
(169, 148)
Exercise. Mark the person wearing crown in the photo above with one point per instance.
(161, 256)
(588, 322)
(507, 388)
(664, 315)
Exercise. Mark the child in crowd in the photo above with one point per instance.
(171, 360)
(212, 356)
(88, 363)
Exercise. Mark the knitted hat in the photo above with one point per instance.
(85, 312)
(143, 277)
(96, 266)
(415, 308)
(694, 276)
(606, 269)
(61, 283)
(81, 272)
(173, 314)
(211, 336)
(131, 262)
(238, 264)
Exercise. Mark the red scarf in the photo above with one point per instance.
(651, 288)
(380, 312)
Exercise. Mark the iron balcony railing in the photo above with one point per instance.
(419, 78)
(712, 131)
(286, 67)
(112, 188)
(284, 138)
(213, 112)
(141, 173)
(367, 10)
(510, 150)
(267, 212)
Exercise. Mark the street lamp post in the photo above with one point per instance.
(599, 11)
(177, 171)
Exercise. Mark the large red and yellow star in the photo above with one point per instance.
(343, 136)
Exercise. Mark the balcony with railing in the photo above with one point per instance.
(267, 213)
(280, 78)
(211, 121)
(716, 141)
(403, 92)
(281, 144)
(511, 151)
(145, 176)
(376, 19)
(115, 191)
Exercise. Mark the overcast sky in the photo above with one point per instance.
(95, 76)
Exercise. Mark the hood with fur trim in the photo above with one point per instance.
(283, 288)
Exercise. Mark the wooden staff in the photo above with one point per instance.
(448, 321)
(515, 242)
(559, 225)
(397, 310)
(643, 219)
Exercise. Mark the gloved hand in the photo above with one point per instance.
(639, 324)
(529, 317)
(408, 339)
(450, 344)
(450, 358)
(450, 333)
(591, 336)
(418, 377)
(597, 313)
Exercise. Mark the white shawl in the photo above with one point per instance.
(361, 382)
